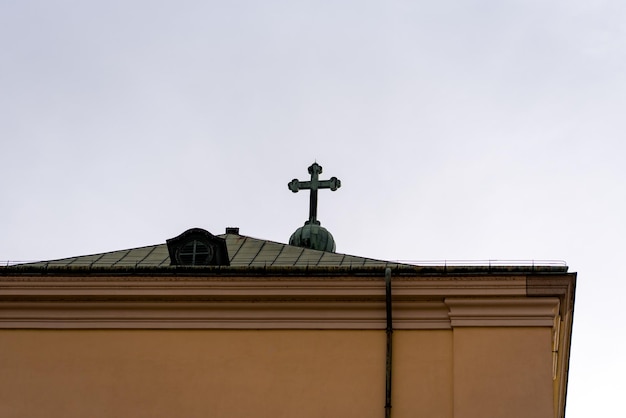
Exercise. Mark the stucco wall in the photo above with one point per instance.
(468, 372)
(503, 372)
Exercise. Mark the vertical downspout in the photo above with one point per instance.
(389, 333)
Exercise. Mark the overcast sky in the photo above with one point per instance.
(460, 130)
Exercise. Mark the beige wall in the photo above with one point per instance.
(192, 373)
(465, 372)
(503, 372)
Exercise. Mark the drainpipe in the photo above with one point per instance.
(389, 333)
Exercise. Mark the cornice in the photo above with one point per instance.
(295, 314)
(222, 315)
(322, 302)
(517, 312)
(277, 288)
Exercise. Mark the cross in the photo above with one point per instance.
(315, 170)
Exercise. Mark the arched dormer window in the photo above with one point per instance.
(195, 252)
(197, 247)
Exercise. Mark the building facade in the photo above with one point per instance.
(232, 326)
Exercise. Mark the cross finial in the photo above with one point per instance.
(314, 184)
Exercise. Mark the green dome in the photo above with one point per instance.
(313, 236)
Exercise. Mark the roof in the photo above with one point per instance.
(243, 251)
(255, 255)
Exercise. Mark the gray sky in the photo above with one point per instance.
(459, 129)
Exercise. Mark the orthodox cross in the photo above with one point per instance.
(315, 170)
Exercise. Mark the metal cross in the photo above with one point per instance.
(315, 170)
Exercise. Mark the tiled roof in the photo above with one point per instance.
(243, 251)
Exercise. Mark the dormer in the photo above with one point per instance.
(197, 247)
